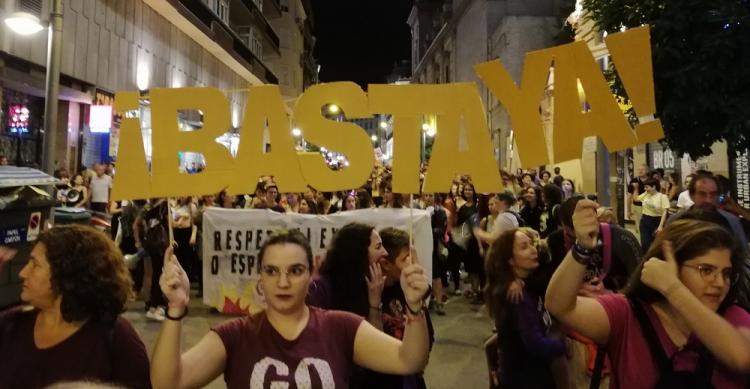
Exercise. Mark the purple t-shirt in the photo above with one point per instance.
(632, 362)
(259, 357)
(95, 352)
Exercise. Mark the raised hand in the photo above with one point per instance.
(375, 284)
(585, 223)
(6, 254)
(174, 281)
(414, 282)
(661, 275)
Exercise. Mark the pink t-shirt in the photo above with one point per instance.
(259, 357)
(632, 363)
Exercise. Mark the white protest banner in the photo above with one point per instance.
(232, 239)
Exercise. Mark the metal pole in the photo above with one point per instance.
(52, 90)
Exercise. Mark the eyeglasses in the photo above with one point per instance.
(293, 273)
(709, 273)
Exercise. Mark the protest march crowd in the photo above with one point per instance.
(577, 300)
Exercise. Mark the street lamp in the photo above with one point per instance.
(374, 138)
(23, 23)
(296, 132)
(26, 24)
(333, 108)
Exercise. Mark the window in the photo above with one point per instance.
(251, 39)
(220, 8)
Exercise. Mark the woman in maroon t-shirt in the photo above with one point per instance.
(289, 343)
(77, 285)
(686, 284)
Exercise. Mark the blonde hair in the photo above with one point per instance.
(606, 215)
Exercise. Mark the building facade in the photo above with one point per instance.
(450, 37)
(118, 44)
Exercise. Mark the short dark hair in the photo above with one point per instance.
(394, 240)
(553, 195)
(545, 172)
(652, 182)
(287, 237)
(507, 198)
(701, 176)
(88, 272)
(557, 170)
(723, 183)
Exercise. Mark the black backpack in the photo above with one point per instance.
(519, 218)
(668, 377)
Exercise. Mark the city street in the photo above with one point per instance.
(456, 361)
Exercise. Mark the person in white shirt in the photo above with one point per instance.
(100, 187)
(504, 221)
(683, 200)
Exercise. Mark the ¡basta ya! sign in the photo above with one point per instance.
(455, 106)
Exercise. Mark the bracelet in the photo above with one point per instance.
(417, 312)
(176, 318)
(581, 255)
(379, 308)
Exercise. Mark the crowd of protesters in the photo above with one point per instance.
(577, 300)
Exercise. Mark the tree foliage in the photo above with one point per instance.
(701, 62)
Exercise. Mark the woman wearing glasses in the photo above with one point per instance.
(684, 294)
(288, 344)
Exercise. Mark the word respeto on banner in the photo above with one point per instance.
(456, 106)
(232, 240)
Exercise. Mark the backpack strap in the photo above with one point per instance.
(596, 375)
(607, 242)
(647, 328)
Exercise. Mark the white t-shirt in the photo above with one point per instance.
(100, 188)
(504, 222)
(684, 200)
(654, 205)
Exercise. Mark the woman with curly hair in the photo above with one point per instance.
(351, 278)
(77, 286)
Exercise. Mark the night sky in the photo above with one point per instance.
(360, 40)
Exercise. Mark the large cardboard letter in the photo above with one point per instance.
(264, 105)
(342, 137)
(574, 62)
(452, 103)
(168, 141)
(522, 102)
(631, 53)
(132, 180)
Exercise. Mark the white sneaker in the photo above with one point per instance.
(157, 314)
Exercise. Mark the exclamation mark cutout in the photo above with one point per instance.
(631, 53)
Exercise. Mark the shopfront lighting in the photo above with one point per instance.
(383, 125)
(431, 132)
(296, 132)
(425, 127)
(333, 108)
(374, 138)
(23, 23)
